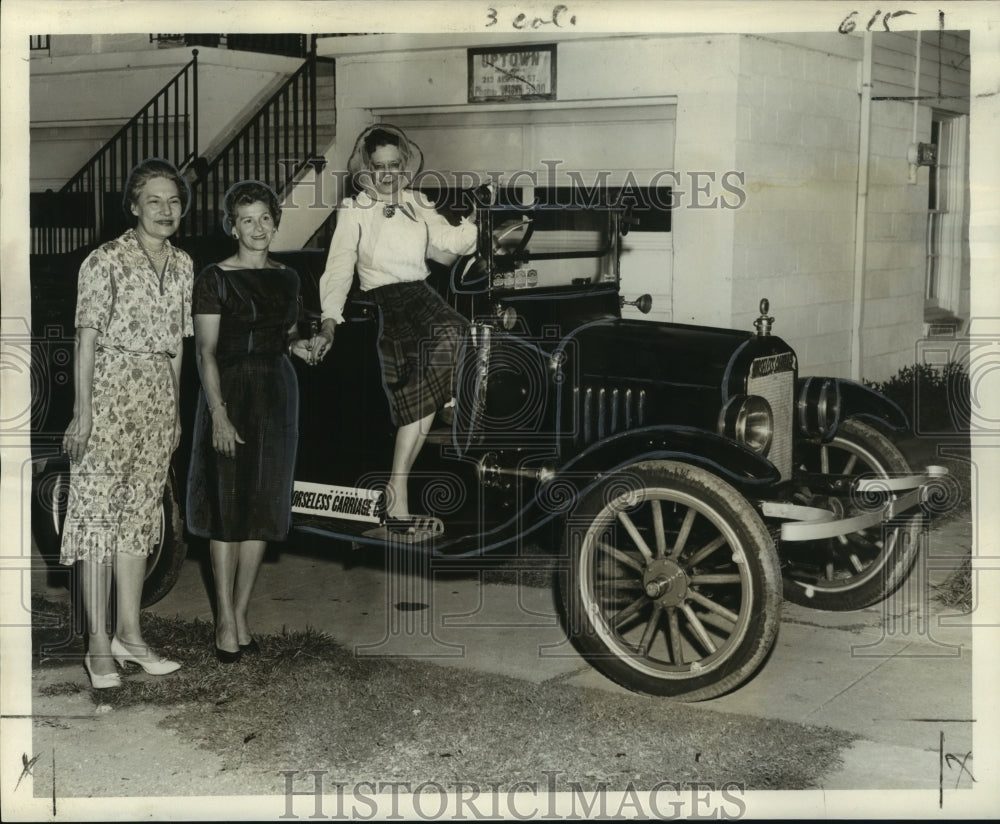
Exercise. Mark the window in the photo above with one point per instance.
(648, 206)
(946, 261)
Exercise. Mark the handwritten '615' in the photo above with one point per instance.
(849, 24)
(560, 18)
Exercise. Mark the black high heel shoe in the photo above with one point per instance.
(224, 656)
(253, 648)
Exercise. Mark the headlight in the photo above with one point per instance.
(749, 420)
(819, 408)
(507, 316)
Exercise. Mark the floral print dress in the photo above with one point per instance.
(141, 317)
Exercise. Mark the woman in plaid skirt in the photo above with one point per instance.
(383, 233)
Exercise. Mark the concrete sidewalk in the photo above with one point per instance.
(898, 674)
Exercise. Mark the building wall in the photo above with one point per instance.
(895, 252)
(944, 67)
(74, 45)
(797, 143)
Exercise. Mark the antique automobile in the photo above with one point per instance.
(684, 479)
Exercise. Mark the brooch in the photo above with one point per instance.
(389, 210)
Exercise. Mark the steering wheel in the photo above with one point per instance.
(470, 271)
(529, 229)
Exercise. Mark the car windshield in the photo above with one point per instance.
(545, 247)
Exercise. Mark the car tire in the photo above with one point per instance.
(865, 567)
(163, 566)
(696, 613)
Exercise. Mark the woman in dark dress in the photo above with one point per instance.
(240, 485)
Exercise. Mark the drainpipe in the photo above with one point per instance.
(912, 176)
(861, 210)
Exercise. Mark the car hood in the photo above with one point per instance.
(639, 350)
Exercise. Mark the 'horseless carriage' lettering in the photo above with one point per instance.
(337, 502)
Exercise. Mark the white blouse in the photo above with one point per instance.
(386, 249)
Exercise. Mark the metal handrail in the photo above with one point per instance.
(87, 208)
(273, 147)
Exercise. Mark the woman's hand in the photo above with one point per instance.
(322, 341)
(224, 434)
(483, 195)
(302, 349)
(77, 435)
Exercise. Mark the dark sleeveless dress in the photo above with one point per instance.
(249, 496)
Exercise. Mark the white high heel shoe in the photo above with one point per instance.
(122, 655)
(101, 682)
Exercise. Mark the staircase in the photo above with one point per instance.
(277, 145)
(88, 207)
(274, 147)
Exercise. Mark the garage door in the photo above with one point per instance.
(603, 146)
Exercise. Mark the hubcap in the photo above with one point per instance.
(666, 582)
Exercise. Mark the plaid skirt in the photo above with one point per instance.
(419, 341)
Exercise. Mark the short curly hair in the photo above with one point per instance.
(381, 137)
(145, 171)
(244, 193)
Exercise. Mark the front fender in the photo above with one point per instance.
(555, 490)
(824, 403)
(735, 463)
(859, 401)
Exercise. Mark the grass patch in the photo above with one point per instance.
(956, 590)
(307, 703)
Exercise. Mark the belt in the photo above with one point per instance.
(136, 353)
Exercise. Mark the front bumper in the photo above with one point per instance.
(879, 499)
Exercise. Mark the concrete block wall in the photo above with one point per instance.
(797, 143)
(895, 263)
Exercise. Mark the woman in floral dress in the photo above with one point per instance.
(133, 309)
(246, 430)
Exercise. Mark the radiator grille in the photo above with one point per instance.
(773, 379)
(605, 410)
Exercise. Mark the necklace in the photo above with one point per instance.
(161, 256)
(162, 253)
